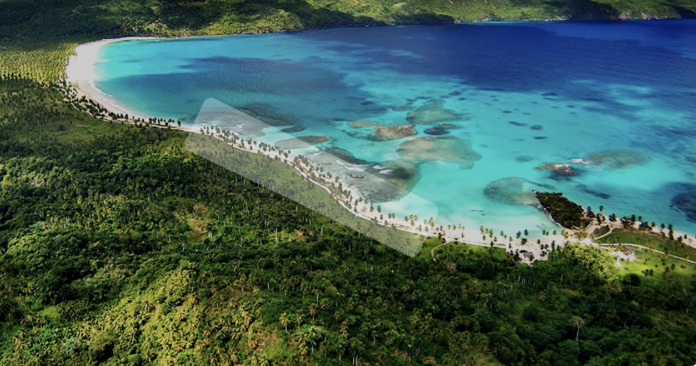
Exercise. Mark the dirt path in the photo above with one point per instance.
(611, 246)
(611, 229)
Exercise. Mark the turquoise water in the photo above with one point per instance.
(523, 94)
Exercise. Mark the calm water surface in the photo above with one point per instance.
(521, 94)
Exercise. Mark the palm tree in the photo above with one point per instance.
(285, 321)
(313, 311)
(577, 322)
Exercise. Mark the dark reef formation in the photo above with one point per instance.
(686, 203)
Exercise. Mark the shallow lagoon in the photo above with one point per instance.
(517, 95)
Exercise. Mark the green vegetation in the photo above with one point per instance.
(119, 246)
(564, 211)
(652, 266)
(41, 18)
(655, 241)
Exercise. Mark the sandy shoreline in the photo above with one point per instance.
(80, 74)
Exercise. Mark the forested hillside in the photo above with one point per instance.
(118, 246)
(25, 18)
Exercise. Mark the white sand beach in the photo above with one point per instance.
(80, 74)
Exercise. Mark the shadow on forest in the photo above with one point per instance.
(193, 15)
(24, 19)
(584, 9)
(39, 19)
(684, 12)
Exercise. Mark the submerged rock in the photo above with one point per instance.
(401, 173)
(447, 126)
(360, 174)
(602, 195)
(268, 115)
(401, 108)
(449, 149)
(314, 139)
(293, 129)
(393, 132)
(511, 191)
(617, 159)
(433, 112)
(359, 124)
(301, 142)
(686, 203)
(345, 155)
(523, 158)
(691, 159)
(436, 131)
(537, 127)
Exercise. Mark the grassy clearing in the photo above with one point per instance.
(652, 240)
(657, 268)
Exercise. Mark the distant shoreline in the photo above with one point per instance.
(80, 74)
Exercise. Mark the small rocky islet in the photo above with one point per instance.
(560, 169)
(393, 132)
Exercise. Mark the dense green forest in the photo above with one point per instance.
(563, 211)
(119, 246)
(64, 18)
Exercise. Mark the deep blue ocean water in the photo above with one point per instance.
(628, 87)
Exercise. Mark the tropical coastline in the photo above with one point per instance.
(80, 74)
(128, 237)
